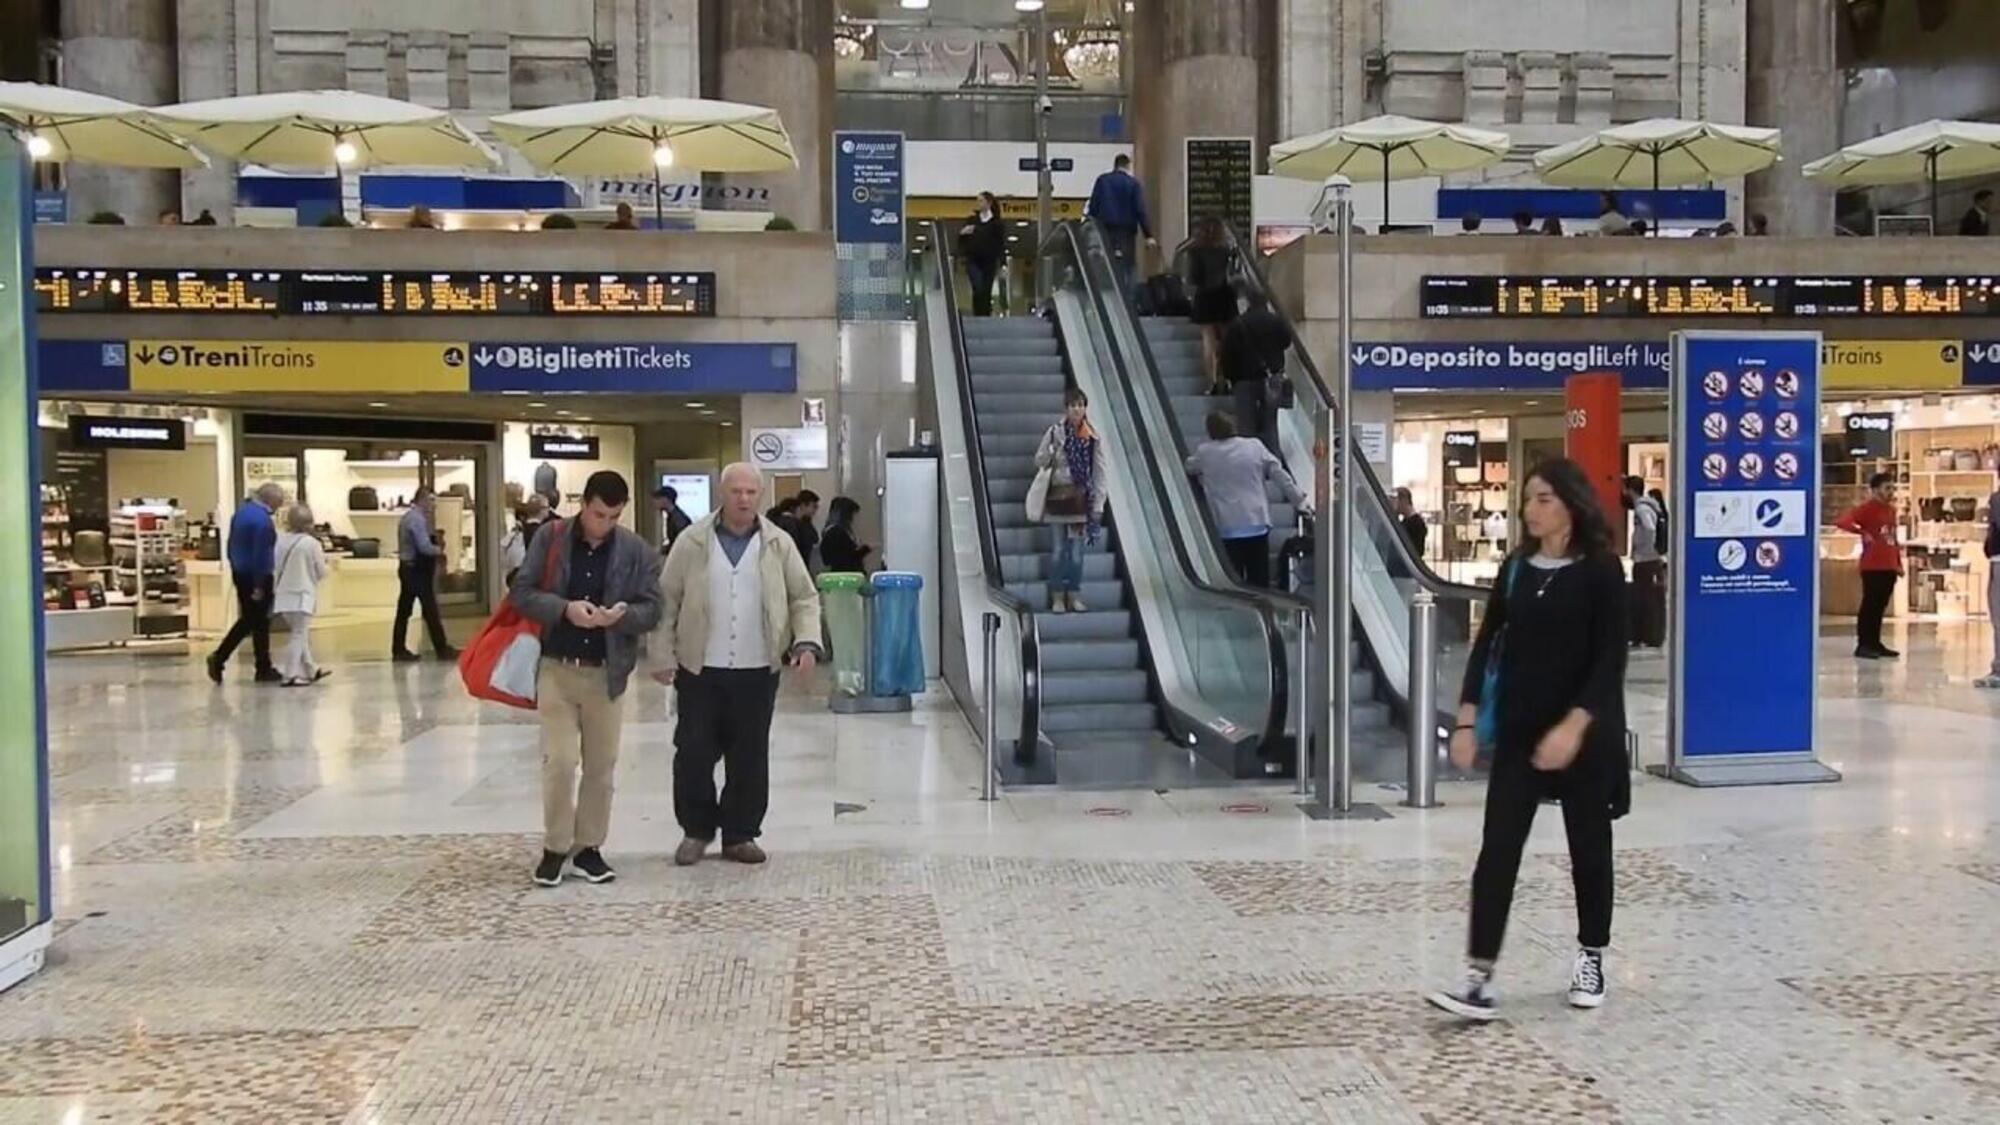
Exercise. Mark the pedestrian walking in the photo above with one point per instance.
(982, 242)
(301, 567)
(418, 554)
(1236, 473)
(736, 606)
(1544, 693)
(594, 587)
(1874, 520)
(1118, 203)
(253, 562)
(1649, 565)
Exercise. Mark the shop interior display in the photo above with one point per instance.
(147, 538)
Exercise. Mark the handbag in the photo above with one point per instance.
(502, 660)
(1486, 727)
(1038, 494)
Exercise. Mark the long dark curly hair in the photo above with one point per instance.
(1590, 532)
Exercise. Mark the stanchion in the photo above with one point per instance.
(1302, 706)
(1422, 719)
(989, 786)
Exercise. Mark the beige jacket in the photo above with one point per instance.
(791, 601)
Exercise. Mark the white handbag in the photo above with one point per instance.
(1038, 494)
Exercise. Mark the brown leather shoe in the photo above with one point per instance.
(690, 852)
(745, 852)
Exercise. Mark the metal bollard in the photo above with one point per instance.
(1423, 702)
(1302, 706)
(989, 788)
(1631, 749)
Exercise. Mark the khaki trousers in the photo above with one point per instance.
(580, 727)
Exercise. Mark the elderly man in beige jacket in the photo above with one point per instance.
(737, 605)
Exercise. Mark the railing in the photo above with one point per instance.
(983, 582)
(1220, 648)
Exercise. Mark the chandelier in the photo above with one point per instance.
(850, 40)
(1093, 50)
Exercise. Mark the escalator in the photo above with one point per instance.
(1168, 678)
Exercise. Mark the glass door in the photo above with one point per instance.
(454, 473)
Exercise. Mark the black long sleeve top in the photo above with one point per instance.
(1561, 635)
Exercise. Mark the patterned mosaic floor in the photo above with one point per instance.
(313, 907)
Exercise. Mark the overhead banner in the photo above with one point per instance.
(1742, 706)
(1892, 364)
(298, 366)
(69, 366)
(677, 368)
(1505, 365)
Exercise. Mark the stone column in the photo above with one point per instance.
(1794, 83)
(123, 51)
(779, 53)
(1198, 77)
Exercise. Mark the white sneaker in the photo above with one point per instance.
(1076, 604)
(1586, 980)
(1058, 603)
(1473, 999)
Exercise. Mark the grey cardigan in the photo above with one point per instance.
(1233, 473)
(634, 579)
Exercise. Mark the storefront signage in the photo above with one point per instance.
(1812, 296)
(298, 366)
(1892, 364)
(563, 447)
(676, 368)
(97, 432)
(805, 447)
(868, 187)
(372, 292)
(1871, 436)
(1461, 449)
(1746, 598)
(1505, 366)
(1220, 174)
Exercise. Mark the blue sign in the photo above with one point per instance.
(51, 207)
(868, 187)
(1746, 579)
(1982, 363)
(1505, 366)
(677, 368)
(72, 366)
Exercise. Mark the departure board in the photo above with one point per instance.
(372, 292)
(1729, 297)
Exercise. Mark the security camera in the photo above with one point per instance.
(1045, 105)
(1331, 194)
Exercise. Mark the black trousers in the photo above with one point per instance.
(1123, 242)
(1255, 415)
(1649, 603)
(981, 274)
(725, 716)
(418, 584)
(1512, 797)
(1251, 558)
(1877, 587)
(253, 621)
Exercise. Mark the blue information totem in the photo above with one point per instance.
(1745, 560)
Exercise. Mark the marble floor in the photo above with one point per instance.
(313, 906)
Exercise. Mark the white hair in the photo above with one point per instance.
(741, 468)
(299, 518)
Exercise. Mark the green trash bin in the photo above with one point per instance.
(846, 616)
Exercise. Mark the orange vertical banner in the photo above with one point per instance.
(1593, 438)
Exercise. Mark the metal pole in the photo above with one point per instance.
(1044, 180)
(1340, 637)
(1304, 706)
(1423, 702)
(989, 785)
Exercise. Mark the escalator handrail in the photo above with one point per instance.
(1030, 733)
(1259, 602)
(1418, 570)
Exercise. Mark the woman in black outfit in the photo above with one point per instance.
(1208, 263)
(839, 550)
(1555, 629)
(983, 242)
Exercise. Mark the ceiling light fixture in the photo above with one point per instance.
(39, 147)
(1094, 51)
(663, 155)
(344, 152)
(1029, 5)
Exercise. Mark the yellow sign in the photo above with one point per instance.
(1013, 210)
(1891, 365)
(300, 366)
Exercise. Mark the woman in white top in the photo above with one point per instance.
(301, 565)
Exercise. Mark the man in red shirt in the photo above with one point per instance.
(1874, 520)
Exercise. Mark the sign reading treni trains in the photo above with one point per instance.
(372, 292)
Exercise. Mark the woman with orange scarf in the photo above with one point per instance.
(1072, 458)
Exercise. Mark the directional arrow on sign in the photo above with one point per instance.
(482, 356)
(144, 355)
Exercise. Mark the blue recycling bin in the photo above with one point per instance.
(897, 644)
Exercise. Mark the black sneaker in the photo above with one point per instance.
(1474, 999)
(548, 873)
(270, 676)
(404, 656)
(1867, 654)
(447, 653)
(1586, 980)
(214, 669)
(590, 864)
(1887, 653)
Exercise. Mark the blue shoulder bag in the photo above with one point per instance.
(1486, 728)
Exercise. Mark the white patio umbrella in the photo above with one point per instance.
(1935, 150)
(1389, 148)
(627, 136)
(58, 124)
(319, 129)
(1660, 151)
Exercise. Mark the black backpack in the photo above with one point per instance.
(1662, 537)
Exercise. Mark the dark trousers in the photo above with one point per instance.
(1123, 242)
(253, 621)
(1649, 603)
(1512, 796)
(981, 275)
(725, 716)
(1255, 416)
(418, 581)
(1877, 587)
(1251, 558)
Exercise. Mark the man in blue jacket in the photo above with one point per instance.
(1118, 203)
(253, 563)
